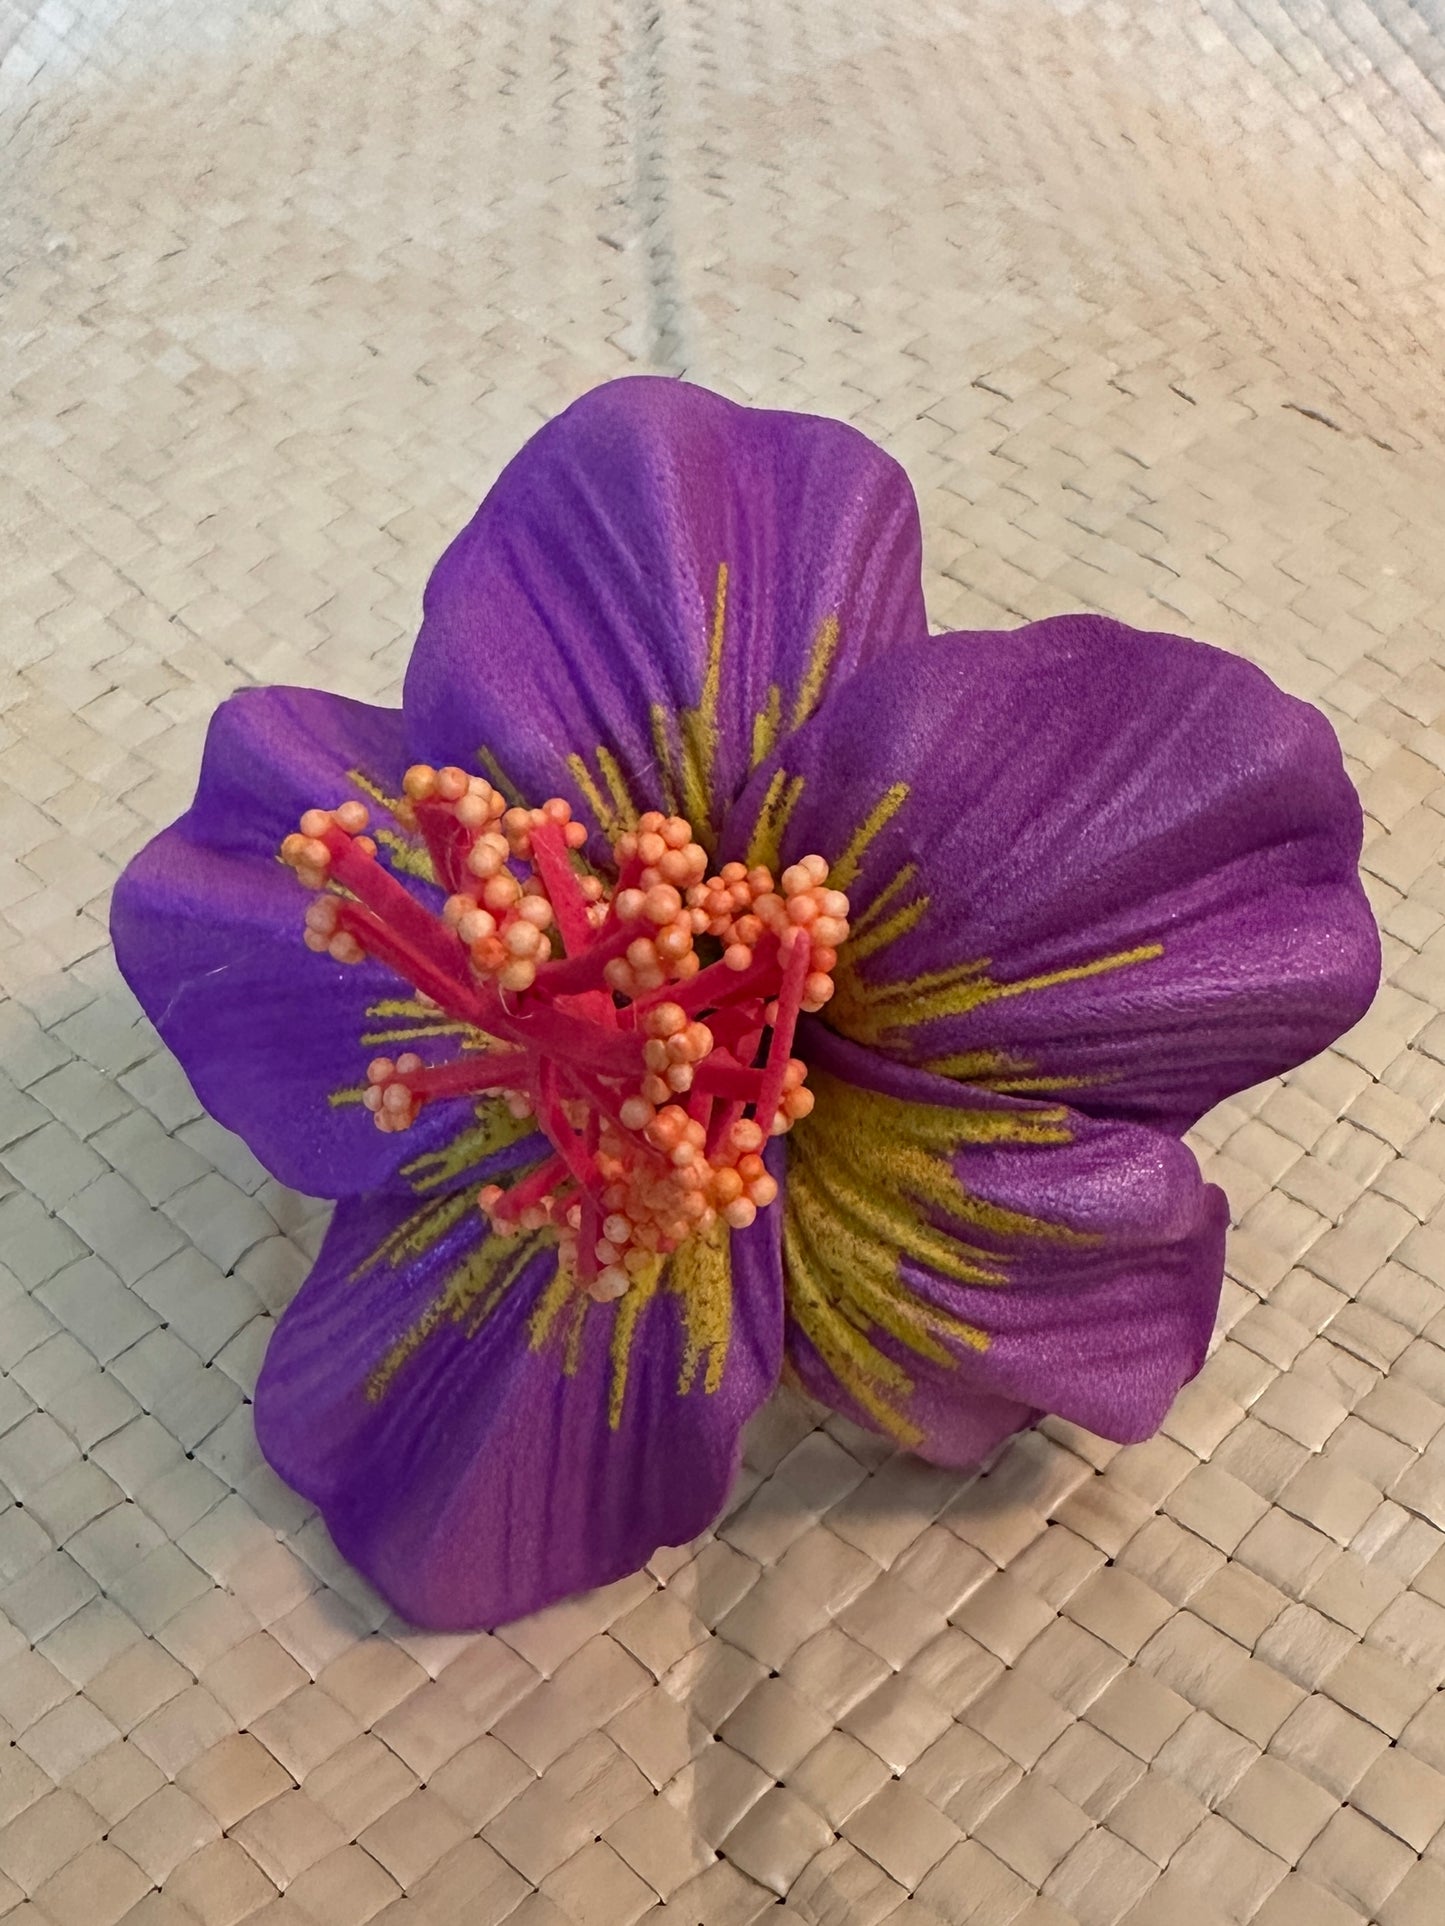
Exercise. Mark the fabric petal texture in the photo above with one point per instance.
(1034, 902)
(1082, 860)
(207, 927)
(959, 1263)
(481, 1441)
(659, 585)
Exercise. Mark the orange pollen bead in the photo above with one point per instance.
(640, 1016)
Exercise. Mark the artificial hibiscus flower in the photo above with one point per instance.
(706, 974)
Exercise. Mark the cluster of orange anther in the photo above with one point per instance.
(658, 862)
(503, 922)
(386, 1096)
(651, 1209)
(741, 905)
(657, 1074)
(309, 856)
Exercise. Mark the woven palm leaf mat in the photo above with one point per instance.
(1149, 299)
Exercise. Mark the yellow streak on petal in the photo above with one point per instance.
(468, 1297)
(601, 809)
(499, 779)
(624, 809)
(698, 1277)
(414, 1030)
(820, 661)
(549, 1307)
(774, 814)
(685, 742)
(407, 1006)
(662, 749)
(872, 1182)
(378, 795)
(954, 992)
(700, 1274)
(417, 1233)
(411, 858)
(495, 1130)
(875, 1382)
(844, 872)
(339, 1099)
(871, 933)
(874, 1013)
(560, 1303)
(699, 726)
(413, 1018)
(870, 913)
(766, 725)
(572, 1357)
(1009, 1075)
(629, 1309)
(408, 852)
(883, 936)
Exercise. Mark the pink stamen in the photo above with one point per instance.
(490, 1070)
(729, 1078)
(605, 1103)
(739, 1028)
(448, 843)
(723, 1121)
(381, 940)
(590, 1224)
(790, 1002)
(720, 985)
(584, 1045)
(532, 1189)
(564, 891)
(552, 1118)
(395, 905)
(575, 975)
(638, 1061)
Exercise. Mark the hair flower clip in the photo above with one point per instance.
(708, 974)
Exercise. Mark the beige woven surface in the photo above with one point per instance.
(1148, 297)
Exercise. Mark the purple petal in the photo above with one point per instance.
(1116, 865)
(658, 585)
(959, 1263)
(473, 1458)
(207, 929)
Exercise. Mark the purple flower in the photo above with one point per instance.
(1097, 881)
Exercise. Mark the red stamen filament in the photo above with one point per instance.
(785, 1022)
(639, 1063)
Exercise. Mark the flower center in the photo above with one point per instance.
(656, 1072)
